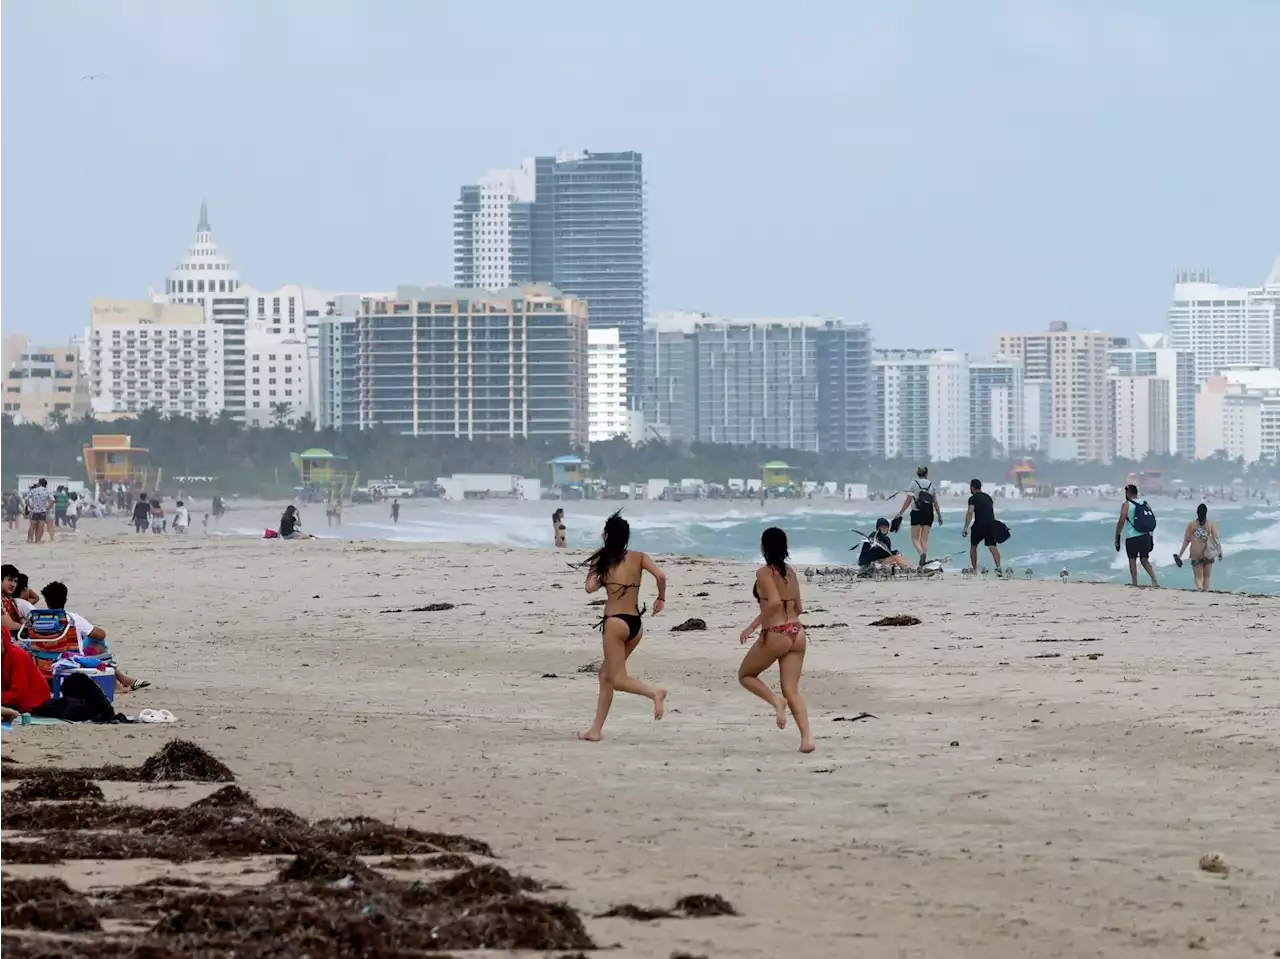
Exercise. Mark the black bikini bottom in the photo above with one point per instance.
(634, 621)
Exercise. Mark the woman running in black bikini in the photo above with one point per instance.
(619, 571)
(777, 590)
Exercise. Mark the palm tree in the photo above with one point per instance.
(280, 413)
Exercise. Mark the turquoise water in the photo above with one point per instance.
(1045, 540)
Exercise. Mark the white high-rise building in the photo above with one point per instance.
(607, 415)
(1037, 414)
(1074, 363)
(143, 355)
(1152, 356)
(288, 314)
(997, 406)
(208, 279)
(1225, 326)
(492, 229)
(1238, 414)
(921, 404)
(1142, 416)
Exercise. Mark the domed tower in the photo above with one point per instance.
(203, 271)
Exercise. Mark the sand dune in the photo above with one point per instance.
(1048, 764)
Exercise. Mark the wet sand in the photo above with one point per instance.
(1048, 764)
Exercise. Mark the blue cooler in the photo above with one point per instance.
(105, 678)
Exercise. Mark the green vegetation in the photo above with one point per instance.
(255, 461)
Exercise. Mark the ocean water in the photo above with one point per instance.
(1045, 539)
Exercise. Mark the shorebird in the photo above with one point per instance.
(1028, 572)
(1064, 574)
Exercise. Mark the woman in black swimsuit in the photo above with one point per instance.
(619, 571)
(557, 527)
(782, 639)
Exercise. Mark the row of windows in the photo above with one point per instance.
(198, 286)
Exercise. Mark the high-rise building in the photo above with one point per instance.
(921, 402)
(607, 414)
(1238, 415)
(795, 382)
(576, 221)
(1037, 414)
(1142, 412)
(441, 361)
(208, 279)
(1153, 357)
(144, 355)
(1225, 326)
(1074, 363)
(43, 385)
(997, 406)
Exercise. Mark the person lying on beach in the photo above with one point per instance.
(619, 572)
(782, 639)
(92, 639)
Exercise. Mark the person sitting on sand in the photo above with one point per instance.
(291, 524)
(92, 640)
(557, 527)
(878, 549)
(1206, 548)
(619, 572)
(782, 639)
(10, 617)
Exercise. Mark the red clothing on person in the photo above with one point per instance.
(25, 687)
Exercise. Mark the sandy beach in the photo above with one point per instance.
(1047, 764)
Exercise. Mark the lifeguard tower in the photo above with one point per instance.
(775, 475)
(568, 471)
(1023, 476)
(319, 470)
(112, 461)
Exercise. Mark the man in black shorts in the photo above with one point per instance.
(1138, 543)
(981, 517)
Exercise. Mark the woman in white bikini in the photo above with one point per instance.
(782, 639)
(619, 571)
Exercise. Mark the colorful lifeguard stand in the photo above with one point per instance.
(568, 470)
(320, 469)
(111, 459)
(1023, 475)
(775, 474)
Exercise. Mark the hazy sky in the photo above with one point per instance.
(940, 169)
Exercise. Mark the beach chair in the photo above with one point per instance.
(48, 635)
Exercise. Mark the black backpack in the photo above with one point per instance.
(924, 500)
(1143, 518)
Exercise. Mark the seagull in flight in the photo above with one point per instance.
(94, 76)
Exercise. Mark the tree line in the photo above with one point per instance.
(255, 460)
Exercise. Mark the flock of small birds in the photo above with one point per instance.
(849, 574)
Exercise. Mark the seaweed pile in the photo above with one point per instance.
(325, 902)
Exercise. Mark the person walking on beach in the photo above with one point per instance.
(141, 514)
(981, 516)
(1201, 537)
(557, 527)
(782, 639)
(619, 572)
(395, 511)
(38, 499)
(924, 506)
(1136, 524)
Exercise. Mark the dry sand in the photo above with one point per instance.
(1014, 797)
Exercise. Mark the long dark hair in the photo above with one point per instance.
(1202, 513)
(617, 533)
(773, 547)
(555, 517)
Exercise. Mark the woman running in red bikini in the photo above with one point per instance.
(781, 641)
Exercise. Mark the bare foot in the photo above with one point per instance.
(807, 747)
(659, 703)
(781, 718)
(590, 736)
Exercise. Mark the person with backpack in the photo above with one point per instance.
(923, 504)
(1136, 525)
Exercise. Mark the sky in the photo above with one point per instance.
(940, 170)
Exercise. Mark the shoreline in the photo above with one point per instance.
(1038, 834)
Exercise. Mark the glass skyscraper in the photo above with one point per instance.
(576, 221)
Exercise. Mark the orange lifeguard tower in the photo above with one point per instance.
(111, 459)
(1023, 475)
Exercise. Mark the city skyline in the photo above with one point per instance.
(1069, 111)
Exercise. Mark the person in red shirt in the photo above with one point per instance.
(25, 688)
